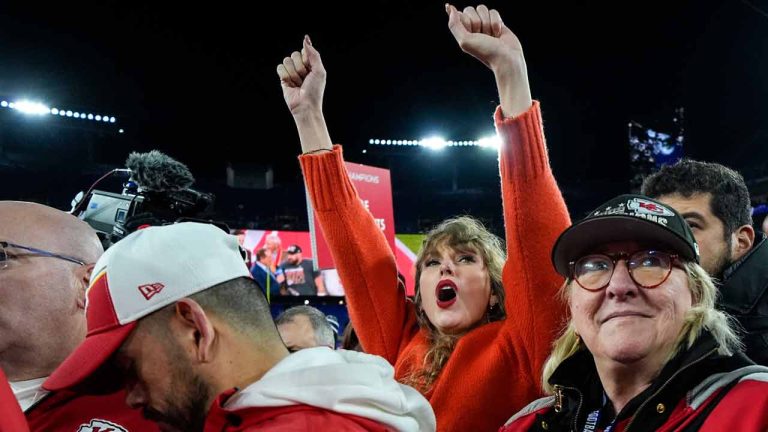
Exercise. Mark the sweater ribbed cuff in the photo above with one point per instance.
(523, 150)
(327, 180)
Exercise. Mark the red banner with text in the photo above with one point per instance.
(375, 190)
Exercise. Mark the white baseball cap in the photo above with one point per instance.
(142, 273)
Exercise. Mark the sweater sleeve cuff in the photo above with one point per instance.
(523, 149)
(326, 179)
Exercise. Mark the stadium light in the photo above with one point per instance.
(28, 107)
(433, 143)
(492, 142)
(31, 108)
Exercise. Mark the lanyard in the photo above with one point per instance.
(269, 278)
(593, 419)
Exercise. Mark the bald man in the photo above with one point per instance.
(46, 260)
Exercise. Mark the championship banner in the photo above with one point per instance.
(375, 190)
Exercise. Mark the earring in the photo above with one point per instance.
(493, 308)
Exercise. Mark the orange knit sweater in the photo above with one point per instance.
(494, 369)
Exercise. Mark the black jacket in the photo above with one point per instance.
(744, 294)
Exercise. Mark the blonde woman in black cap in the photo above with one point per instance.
(645, 349)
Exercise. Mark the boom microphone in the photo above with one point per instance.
(157, 172)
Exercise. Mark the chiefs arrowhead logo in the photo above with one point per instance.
(149, 290)
(642, 206)
(98, 425)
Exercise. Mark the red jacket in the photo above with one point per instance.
(11, 417)
(66, 411)
(699, 390)
(319, 389)
(494, 369)
(295, 418)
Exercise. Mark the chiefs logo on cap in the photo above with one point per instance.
(149, 290)
(647, 207)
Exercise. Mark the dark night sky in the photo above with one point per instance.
(199, 82)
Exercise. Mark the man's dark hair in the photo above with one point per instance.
(730, 197)
(261, 253)
(239, 302)
(324, 334)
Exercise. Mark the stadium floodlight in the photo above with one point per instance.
(31, 108)
(491, 142)
(434, 143)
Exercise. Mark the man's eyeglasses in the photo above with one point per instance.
(5, 256)
(647, 268)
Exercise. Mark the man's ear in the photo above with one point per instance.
(83, 274)
(197, 328)
(742, 241)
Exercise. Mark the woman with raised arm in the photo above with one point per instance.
(475, 339)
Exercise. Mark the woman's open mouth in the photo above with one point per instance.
(445, 293)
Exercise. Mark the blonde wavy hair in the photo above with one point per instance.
(702, 315)
(462, 232)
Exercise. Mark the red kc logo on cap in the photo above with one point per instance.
(649, 206)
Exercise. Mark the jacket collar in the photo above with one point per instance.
(745, 281)
(580, 391)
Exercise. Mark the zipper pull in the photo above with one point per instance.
(558, 398)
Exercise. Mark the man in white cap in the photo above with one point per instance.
(174, 316)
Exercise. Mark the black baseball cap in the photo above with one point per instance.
(626, 217)
(293, 249)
